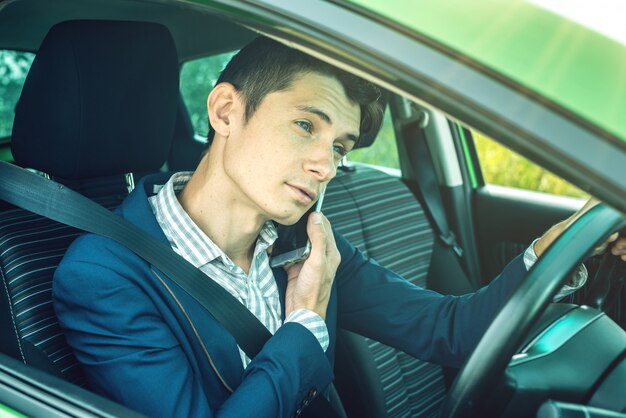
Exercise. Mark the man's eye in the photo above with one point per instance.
(340, 150)
(305, 125)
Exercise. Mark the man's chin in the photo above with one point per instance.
(288, 219)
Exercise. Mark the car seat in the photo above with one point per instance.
(380, 215)
(99, 102)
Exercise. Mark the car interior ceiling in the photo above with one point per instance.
(372, 379)
(195, 33)
(36, 245)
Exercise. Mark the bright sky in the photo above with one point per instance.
(603, 16)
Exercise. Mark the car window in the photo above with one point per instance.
(197, 77)
(14, 66)
(384, 151)
(504, 167)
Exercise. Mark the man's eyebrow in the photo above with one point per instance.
(324, 116)
(316, 111)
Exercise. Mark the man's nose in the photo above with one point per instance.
(321, 163)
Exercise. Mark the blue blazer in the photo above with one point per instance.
(147, 344)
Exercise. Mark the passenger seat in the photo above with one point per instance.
(381, 217)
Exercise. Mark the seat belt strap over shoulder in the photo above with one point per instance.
(425, 176)
(447, 272)
(54, 201)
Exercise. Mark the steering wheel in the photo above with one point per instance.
(488, 361)
(607, 282)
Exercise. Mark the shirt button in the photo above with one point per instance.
(312, 393)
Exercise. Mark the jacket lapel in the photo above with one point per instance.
(219, 343)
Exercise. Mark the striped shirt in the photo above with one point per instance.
(578, 279)
(257, 290)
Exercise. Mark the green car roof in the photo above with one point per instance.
(573, 66)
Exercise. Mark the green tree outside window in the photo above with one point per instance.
(503, 167)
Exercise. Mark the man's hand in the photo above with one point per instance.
(617, 249)
(309, 282)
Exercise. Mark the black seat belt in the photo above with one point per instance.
(54, 201)
(446, 265)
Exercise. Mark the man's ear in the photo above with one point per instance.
(224, 108)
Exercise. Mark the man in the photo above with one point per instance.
(281, 122)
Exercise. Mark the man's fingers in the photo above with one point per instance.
(317, 235)
(293, 270)
(619, 248)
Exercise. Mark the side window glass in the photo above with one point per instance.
(384, 151)
(14, 66)
(504, 167)
(197, 78)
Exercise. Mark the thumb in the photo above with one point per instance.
(317, 235)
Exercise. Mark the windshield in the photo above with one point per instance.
(605, 17)
(571, 56)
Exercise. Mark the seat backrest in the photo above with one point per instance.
(380, 216)
(186, 151)
(99, 101)
(31, 247)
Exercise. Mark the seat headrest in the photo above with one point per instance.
(100, 99)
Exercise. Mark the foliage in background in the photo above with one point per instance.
(504, 167)
(14, 66)
(197, 78)
(384, 151)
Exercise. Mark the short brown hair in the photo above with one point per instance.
(265, 66)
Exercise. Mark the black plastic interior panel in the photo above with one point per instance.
(515, 217)
(611, 393)
(556, 373)
(552, 409)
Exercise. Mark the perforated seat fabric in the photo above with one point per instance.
(380, 216)
(31, 247)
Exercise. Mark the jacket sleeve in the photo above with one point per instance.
(130, 354)
(377, 303)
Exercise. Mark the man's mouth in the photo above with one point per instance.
(305, 194)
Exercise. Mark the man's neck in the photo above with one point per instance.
(232, 226)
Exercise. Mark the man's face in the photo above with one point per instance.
(283, 157)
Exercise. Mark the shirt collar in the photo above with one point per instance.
(185, 237)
